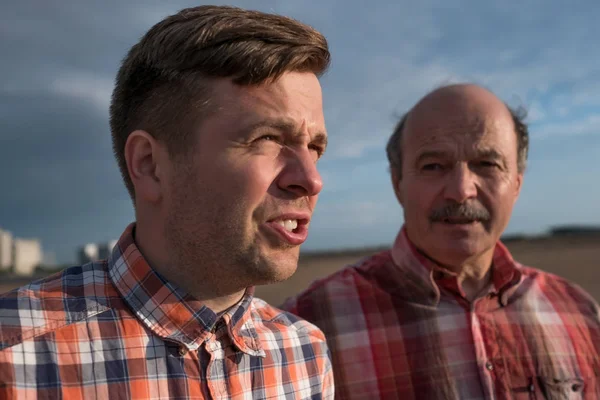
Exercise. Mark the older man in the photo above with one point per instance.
(447, 313)
(217, 125)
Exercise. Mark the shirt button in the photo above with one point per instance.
(532, 388)
(489, 366)
(438, 275)
(182, 351)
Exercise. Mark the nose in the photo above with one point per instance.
(461, 184)
(300, 175)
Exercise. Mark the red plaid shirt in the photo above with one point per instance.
(399, 327)
(117, 330)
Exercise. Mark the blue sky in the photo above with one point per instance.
(59, 182)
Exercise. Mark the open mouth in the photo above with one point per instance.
(289, 225)
(290, 230)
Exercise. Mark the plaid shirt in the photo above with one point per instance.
(116, 330)
(399, 327)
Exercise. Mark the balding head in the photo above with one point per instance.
(464, 103)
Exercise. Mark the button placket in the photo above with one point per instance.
(215, 372)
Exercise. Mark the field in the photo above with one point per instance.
(576, 258)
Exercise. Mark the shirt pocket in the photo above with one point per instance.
(547, 388)
(563, 389)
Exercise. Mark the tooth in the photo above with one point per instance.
(290, 224)
(281, 223)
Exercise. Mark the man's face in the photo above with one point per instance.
(241, 204)
(459, 179)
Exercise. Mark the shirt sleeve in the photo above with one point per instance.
(328, 382)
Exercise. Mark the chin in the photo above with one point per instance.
(277, 267)
(458, 251)
(269, 275)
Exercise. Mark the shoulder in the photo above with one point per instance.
(280, 322)
(345, 284)
(290, 340)
(71, 295)
(561, 292)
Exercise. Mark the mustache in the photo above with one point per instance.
(469, 211)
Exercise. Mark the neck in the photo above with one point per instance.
(474, 277)
(474, 274)
(202, 284)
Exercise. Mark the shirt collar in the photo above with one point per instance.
(167, 310)
(431, 277)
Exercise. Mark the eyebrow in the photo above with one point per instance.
(288, 125)
(479, 153)
(431, 154)
(490, 154)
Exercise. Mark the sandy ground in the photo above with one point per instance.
(577, 259)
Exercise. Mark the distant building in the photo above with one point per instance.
(19, 256)
(88, 253)
(95, 251)
(575, 230)
(106, 249)
(6, 250)
(27, 256)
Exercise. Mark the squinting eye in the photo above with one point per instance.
(318, 149)
(488, 164)
(432, 167)
(268, 137)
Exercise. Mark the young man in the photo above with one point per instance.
(447, 313)
(217, 127)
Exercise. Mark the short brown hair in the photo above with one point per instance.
(162, 85)
(394, 144)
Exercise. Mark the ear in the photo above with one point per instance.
(396, 184)
(145, 158)
(518, 185)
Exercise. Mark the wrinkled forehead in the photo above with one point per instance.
(295, 97)
(458, 119)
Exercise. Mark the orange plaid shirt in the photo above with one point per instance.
(115, 329)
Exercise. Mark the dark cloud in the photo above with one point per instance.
(56, 167)
(58, 179)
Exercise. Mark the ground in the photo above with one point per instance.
(576, 258)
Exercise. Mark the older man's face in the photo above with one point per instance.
(459, 178)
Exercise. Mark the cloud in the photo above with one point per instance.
(355, 222)
(59, 61)
(91, 88)
(509, 49)
(586, 126)
(535, 113)
(361, 116)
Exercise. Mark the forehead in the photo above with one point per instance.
(460, 122)
(295, 97)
